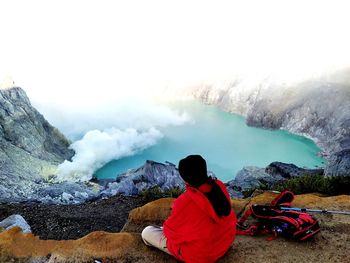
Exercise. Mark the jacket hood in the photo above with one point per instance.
(203, 203)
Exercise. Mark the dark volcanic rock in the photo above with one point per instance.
(74, 221)
(251, 177)
(151, 174)
(288, 170)
(254, 177)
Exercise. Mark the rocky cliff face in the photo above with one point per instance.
(316, 109)
(251, 177)
(24, 127)
(30, 148)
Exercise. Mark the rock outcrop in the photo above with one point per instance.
(22, 126)
(151, 174)
(251, 177)
(318, 109)
(330, 245)
(30, 148)
(289, 170)
(15, 221)
(339, 163)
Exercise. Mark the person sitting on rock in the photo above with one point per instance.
(202, 224)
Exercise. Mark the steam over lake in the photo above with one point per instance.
(224, 140)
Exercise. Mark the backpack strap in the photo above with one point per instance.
(250, 231)
(245, 216)
(285, 198)
(277, 222)
(242, 230)
(254, 229)
(273, 237)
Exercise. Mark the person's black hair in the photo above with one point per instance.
(218, 200)
(193, 170)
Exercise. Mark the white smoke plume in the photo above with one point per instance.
(105, 128)
(76, 119)
(97, 148)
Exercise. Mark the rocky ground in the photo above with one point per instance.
(332, 244)
(61, 222)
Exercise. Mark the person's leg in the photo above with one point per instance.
(153, 236)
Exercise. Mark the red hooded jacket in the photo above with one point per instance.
(194, 232)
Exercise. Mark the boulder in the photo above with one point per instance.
(15, 221)
(251, 177)
(151, 174)
(289, 170)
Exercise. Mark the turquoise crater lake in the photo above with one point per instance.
(224, 140)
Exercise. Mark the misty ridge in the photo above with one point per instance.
(113, 129)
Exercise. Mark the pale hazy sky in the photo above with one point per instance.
(56, 50)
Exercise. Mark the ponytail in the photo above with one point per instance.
(218, 199)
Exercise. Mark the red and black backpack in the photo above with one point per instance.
(273, 220)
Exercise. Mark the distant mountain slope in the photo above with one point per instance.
(319, 109)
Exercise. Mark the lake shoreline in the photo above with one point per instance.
(224, 140)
